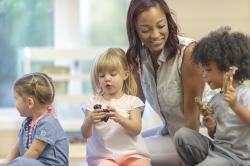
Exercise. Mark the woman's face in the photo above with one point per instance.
(152, 28)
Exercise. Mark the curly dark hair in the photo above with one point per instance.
(135, 51)
(226, 49)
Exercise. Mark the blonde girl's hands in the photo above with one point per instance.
(96, 116)
(114, 115)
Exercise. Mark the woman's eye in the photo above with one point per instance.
(144, 29)
(161, 26)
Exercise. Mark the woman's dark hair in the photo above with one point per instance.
(226, 49)
(135, 51)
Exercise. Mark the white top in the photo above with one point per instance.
(109, 139)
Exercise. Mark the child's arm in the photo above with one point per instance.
(36, 149)
(12, 155)
(131, 124)
(90, 119)
(210, 123)
(242, 112)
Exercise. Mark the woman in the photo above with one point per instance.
(162, 61)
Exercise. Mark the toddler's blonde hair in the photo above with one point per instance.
(112, 59)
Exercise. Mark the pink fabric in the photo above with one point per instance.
(130, 161)
(108, 162)
(49, 110)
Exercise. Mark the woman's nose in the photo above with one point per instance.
(155, 34)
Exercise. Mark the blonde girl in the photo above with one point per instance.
(113, 128)
(42, 140)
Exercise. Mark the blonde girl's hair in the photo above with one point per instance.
(37, 85)
(112, 59)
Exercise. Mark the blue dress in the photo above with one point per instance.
(48, 130)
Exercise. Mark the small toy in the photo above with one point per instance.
(204, 109)
(228, 77)
(106, 111)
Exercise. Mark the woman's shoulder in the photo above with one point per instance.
(186, 47)
(185, 41)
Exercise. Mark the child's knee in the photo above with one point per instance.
(182, 136)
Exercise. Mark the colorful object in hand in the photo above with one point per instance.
(228, 78)
(204, 109)
(106, 112)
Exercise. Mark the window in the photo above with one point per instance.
(23, 24)
(104, 23)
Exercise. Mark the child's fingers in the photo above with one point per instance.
(230, 81)
(224, 84)
(208, 119)
(210, 125)
(97, 115)
(97, 110)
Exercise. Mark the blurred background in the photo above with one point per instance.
(61, 38)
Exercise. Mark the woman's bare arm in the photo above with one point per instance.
(193, 85)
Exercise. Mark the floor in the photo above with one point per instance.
(76, 162)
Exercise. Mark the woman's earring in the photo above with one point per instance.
(142, 44)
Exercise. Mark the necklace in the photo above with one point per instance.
(28, 135)
(31, 125)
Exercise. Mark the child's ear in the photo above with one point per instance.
(125, 75)
(30, 102)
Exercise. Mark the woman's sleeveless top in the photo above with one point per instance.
(165, 94)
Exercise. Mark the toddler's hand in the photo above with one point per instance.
(96, 115)
(114, 115)
(230, 95)
(210, 122)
